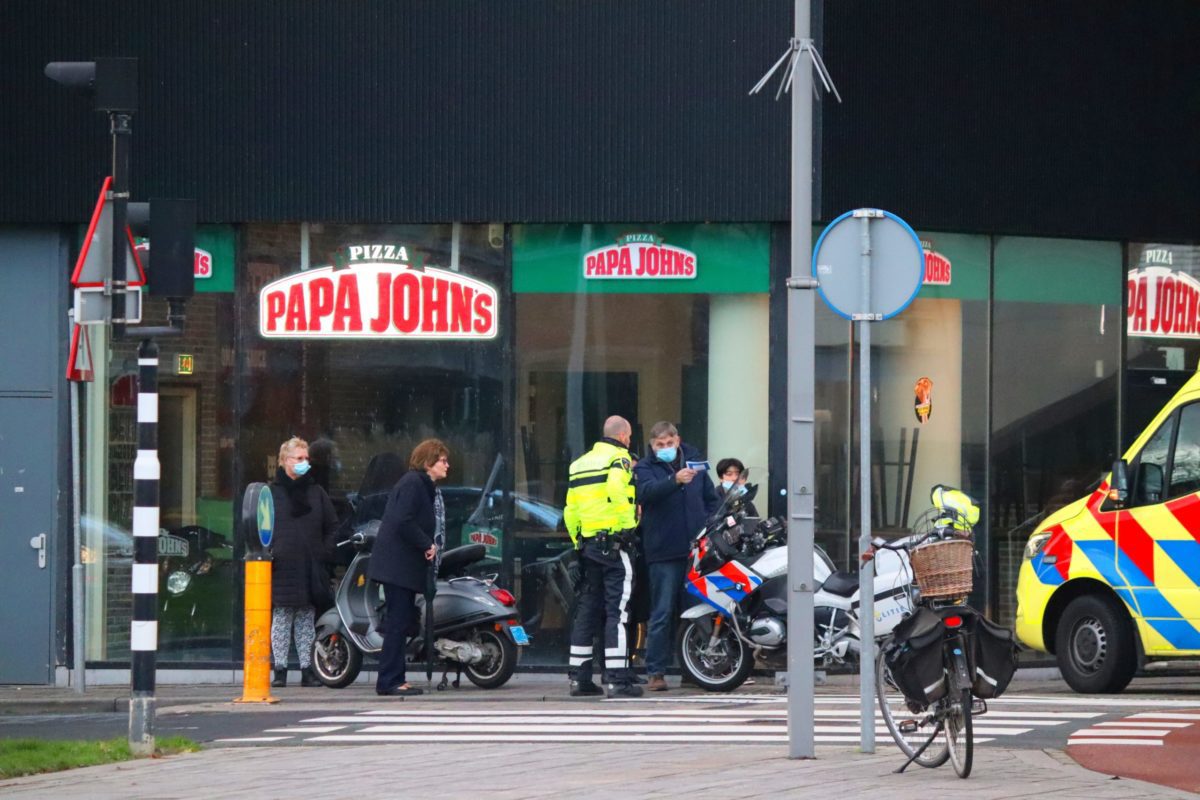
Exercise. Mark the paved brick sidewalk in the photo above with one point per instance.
(576, 771)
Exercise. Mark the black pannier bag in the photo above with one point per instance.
(993, 658)
(914, 657)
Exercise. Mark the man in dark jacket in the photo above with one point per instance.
(676, 500)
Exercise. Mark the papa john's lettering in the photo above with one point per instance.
(377, 300)
(639, 256)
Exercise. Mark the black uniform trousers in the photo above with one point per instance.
(604, 603)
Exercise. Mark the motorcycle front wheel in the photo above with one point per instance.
(335, 660)
(716, 664)
(499, 659)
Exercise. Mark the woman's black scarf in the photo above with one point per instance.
(297, 491)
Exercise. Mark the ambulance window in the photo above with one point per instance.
(1185, 466)
(1152, 466)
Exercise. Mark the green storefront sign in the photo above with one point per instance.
(217, 241)
(642, 259)
(214, 257)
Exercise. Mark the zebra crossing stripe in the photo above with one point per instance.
(658, 738)
(671, 720)
(1122, 732)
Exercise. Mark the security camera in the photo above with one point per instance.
(496, 236)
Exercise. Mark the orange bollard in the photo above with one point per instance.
(256, 660)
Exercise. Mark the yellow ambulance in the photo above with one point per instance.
(1112, 580)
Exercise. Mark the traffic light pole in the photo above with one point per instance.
(144, 631)
(121, 128)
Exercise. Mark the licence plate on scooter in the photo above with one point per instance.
(519, 634)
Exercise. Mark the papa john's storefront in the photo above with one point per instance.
(512, 343)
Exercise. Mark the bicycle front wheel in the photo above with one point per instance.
(960, 739)
(910, 729)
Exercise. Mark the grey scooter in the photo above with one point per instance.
(476, 629)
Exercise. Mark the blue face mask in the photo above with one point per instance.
(301, 468)
(727, 485)
(666, 454)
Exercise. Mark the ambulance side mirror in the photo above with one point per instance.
(1118, 487)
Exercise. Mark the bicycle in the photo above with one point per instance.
(918, 709)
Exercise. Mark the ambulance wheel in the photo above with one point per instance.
(1095, 647)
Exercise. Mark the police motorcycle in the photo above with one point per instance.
(476, 630)
(738, 572)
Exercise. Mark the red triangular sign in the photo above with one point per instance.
(79, 363)
(97, 249)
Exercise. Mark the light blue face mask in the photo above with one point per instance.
(727, 485)
(666, 454)
(302, 468)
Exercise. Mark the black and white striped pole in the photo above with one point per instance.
(143, 640)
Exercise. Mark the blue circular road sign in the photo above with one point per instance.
(897, 264)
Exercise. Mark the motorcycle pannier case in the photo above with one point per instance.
(914, 658)
(994, 658)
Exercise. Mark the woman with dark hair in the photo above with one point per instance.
(731, 477)
(305, 530)
(413, 526)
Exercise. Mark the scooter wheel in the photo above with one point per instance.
(499, 663)
(335, 660)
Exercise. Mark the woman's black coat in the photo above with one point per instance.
(405, 533)
(300, 547)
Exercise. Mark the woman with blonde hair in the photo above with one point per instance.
(305, 529)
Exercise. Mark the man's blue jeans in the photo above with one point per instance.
(666, 582)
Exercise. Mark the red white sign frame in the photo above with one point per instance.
(84, 251)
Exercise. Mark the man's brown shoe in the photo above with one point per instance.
(657, 683)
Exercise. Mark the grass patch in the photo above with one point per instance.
(31, 756)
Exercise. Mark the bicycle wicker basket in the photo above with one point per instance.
(943, 569)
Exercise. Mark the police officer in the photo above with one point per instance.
(600, 517)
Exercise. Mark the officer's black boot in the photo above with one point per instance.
(585, 689)
(624, 690)
(307, 678)
(280, 679)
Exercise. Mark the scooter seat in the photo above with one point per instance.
(843, 584)
(456, 561)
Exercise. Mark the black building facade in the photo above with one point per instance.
(1045, 157)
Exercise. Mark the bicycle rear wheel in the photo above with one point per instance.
(960, 738)
(896, 713)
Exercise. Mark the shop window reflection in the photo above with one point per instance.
(1054, 389)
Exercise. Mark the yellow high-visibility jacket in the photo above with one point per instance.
(600, 492)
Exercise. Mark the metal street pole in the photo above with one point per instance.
(866, 573)
(77, 610)
(801, 402)
(800, 378)
(121, 127)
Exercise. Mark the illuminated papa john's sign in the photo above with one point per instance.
(377, 294)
